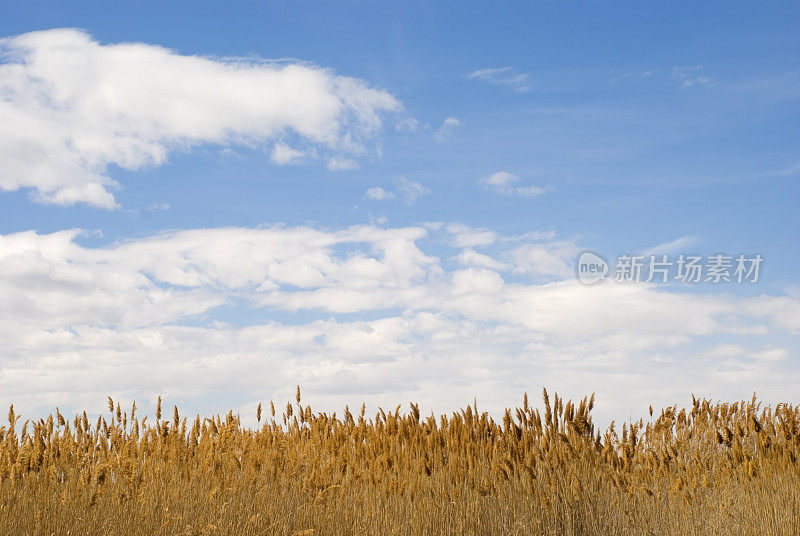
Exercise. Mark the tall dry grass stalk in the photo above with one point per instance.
(710, 469)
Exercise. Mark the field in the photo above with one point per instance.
(709, 469)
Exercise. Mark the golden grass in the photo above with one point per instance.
(710, 469)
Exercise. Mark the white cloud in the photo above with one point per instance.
(647, 73)
(500, 179)
(530, 191)
(688, 76)
(155, 207)
(410, 191)
(283, 154)
(383, 318)
(379, 194)
(470, 257)
(72, 107)
(468, 237)
(503, 76)
(407, 124)
(503, 182)
(679, 245)
(725, 350)
(691, 76)
(788, 171)
(342, 164)
(551, 259)
(770, 354)
(446, 130)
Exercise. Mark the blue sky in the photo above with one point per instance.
(618, 129)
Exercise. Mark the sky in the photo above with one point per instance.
(386, 202)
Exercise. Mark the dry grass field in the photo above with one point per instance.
(709, 469)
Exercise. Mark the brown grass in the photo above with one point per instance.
(710, 469)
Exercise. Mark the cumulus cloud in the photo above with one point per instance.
(363, 312)
(503, 76)
(70, 107)
(503, 182)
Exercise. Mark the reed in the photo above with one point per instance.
(707, 469)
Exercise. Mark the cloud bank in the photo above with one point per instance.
(71, 107)
(437, 312)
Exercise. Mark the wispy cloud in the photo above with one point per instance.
(503, 76)
(283, 154)
(379, 194)
(679, 245)
(503, 182)
(691, 76)
(341, 164)
(156, 207)
(410, 191)
(408, 124)
(647, 73)
(788, 171)
(464, 236)
(687, 76)
(446, 130)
